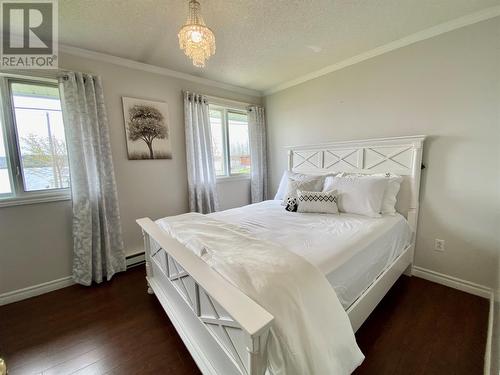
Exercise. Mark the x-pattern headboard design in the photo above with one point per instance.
(398, 155)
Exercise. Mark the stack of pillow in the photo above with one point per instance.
(364, 194)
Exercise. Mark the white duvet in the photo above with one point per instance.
(311, 332)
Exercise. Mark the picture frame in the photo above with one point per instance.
(147, 129)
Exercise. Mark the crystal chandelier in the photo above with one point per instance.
(195, 38)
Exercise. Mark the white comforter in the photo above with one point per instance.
(311, 333)
(326, 241)
(351, 250)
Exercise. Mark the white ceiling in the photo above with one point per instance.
(260, 43)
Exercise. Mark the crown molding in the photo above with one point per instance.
(431, 32)
(132, 64)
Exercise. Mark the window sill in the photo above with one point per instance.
(233, 178)
(34, 199)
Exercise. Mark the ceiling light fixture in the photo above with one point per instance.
(195, 38)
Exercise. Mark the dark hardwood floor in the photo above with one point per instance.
(425, 328)
(117, 328)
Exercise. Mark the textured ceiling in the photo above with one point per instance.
(260, 43)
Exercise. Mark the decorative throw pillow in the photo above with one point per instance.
(317, 202)
(283, 186)
(356, 194)
(291, 204)
(314, 183)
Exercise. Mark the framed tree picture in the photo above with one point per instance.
(147, 129)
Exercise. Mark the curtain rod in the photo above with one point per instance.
(74, 71)
(231, 101)
(42, 76)
(48, 74)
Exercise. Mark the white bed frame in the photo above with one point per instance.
(224, 330)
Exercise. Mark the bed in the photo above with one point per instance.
(226, 331)
(350, 250)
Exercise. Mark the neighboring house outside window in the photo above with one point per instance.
(230, 142)
(33, 155)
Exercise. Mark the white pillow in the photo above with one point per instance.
(312, 183)
(280, 194)
(317, 202)
(329, 181)
(391, 192)
(283, 186)
(361, 195)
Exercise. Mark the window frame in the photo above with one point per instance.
(225, 110)
(18, 194)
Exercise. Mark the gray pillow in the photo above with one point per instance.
(307, 184)
(283, 186)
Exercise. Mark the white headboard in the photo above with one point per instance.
(399, 155)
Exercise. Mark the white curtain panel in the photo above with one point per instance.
(200, 164)
(258, 153)
(97, 235)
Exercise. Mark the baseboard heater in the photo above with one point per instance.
(135, 260)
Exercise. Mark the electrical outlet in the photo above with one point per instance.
(438, 245)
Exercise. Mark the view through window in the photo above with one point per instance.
(237, 125)
(33, 135)
(5, 187)
(218, 141)
(40, 133)
(230, 142)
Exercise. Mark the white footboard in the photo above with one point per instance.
(224, 330)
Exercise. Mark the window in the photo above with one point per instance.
(230, 143)
(5, 188)
(33, 155)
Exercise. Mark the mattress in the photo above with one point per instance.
(351, 250)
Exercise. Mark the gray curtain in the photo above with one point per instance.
(97, 236)
(258, 153)
(200, 164)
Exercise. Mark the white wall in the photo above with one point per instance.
(35, 240)
(233, 193)
(495, 347)
(446, 87)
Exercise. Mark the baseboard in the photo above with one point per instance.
(489, 337)
(35, 290)
(452, 282)
(138, 259)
